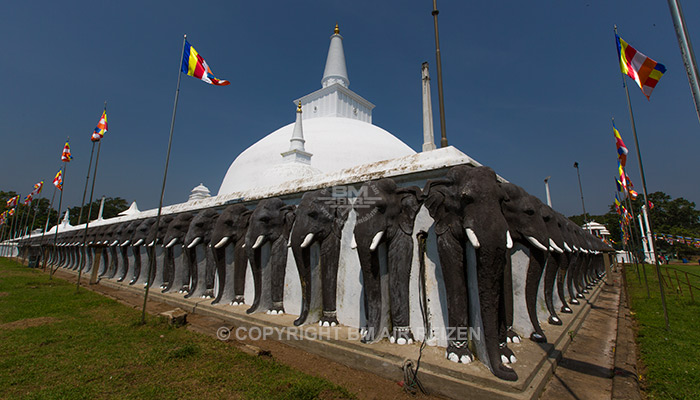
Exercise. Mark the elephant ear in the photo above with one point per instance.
(342, 209)
(289, 218)
(433, 196)
(409, 207)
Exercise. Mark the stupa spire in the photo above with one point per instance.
(297, 152)
(335, 71)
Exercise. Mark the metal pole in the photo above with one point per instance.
(58, 220)
(165, 176)
(87, 222)
(691, 66)
(580, 188)
(44, 256)
(546, 188)
(441, 100)
(646, 201)
(87, 179)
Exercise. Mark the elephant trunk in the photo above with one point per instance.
(302, 257)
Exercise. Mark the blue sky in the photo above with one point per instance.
(530, 88)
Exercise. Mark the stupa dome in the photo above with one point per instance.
(337, 134)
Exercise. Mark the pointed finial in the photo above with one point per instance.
(336, 30)
(299, 107)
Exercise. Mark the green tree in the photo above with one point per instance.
(113, 206)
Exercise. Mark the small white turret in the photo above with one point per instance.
(297, 152)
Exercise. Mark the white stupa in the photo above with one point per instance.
(199, 192)
(337, 131)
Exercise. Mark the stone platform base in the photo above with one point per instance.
(535, 365)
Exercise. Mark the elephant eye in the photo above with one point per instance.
(265, 219)
(313, 214)
(467, 198)
(530, 212)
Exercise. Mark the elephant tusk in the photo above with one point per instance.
(114, 243)
(567, 248)
(90, 243)
(243, 246)
(222, 242)
(472, 238)
(171, 243)
(375, 240)
(258, 241)
(553, 246)
(509, 240)
(195, 242)
(307, 240)
(139, 242)
(126, 242)
(536, 243)
(152, 243)
(353, 242)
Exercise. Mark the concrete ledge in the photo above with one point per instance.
(536, 361)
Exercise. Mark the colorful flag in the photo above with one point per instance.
(630, 188)
(617, 204)
(651, 205)
(28, 199)
(101, 128)
(621, 172)
(58, 180)
(11, 212)
(645, 71)
(66, 156)
(194, 65)
(37, 187)
(621, 148)
(12, 201)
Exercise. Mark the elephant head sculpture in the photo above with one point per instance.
(271, 221)
(162, 267)
(527, 227)
(319, 219)
(557, 258)
(138, 240)
(174, 238)
(198, 239)
(229, 230)
(386, 214)
(125, 240)
(467, 207)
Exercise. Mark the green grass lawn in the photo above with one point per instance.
(55, 343)
(671, 358)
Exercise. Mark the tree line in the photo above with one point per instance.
(39, 210)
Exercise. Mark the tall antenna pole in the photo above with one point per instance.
(443, 139)
(691, 66)
(580, 188)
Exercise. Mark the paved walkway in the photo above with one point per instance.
(600, 363)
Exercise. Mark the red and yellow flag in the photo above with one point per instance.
(66, 156)
(194, 65)
(645, 71)
(101, 128)
(58, 180)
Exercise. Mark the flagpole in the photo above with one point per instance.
(92, 191)
(60, 202)
(691, 66)
(632, 226)
(15, 222)
(646, 199)
(48, 218)
(165, 175)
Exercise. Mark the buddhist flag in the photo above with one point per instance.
(66, 156)
(194, 65)
(13, 201)
(621, 172)
(58, 180)
(645, 71)
(11, 212)
(28, 199)
(101, 128)
(37, 187)
(621, 148)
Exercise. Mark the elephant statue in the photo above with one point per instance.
(173, 239)
(319, 219)
(557, 258)
(202, 264)
(229, 230)
(124, 242)
(138, 242)
(162, 270)
(467, 208)
(527, 227)
(386, 214)
(271, 221)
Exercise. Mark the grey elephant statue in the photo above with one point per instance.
(386, 214)
(174, 239)
(557, 258)
(202, 264)
(270, 222)
(467, 208)
(127, 266)
(138, 246)
(229, 232)
(319, 219)
(159, 258)
(527, 227)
